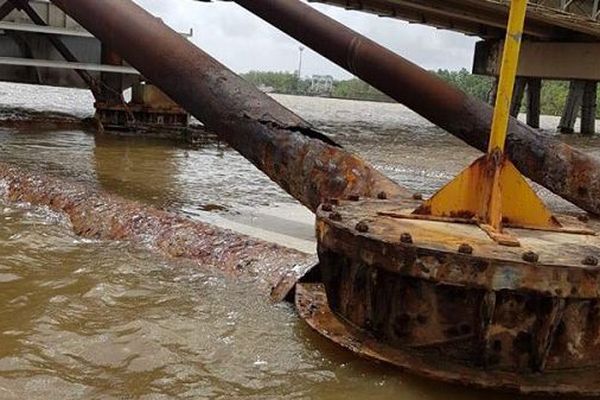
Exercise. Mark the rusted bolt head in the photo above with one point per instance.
(335, 216)
(465, 248)
(406, 238)
(354, 197)
(583, 218)
(590, 260)
(417, 196)
(531, 257)
(382, 195)
(327, 207)
(362, 227)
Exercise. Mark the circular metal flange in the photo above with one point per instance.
(550, 263)
(447, 293)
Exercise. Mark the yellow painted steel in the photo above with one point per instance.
(491, 191)
(464, 197)
(508, 73)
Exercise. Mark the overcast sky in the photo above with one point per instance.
(244, 42)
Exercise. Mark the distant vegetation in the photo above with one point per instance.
(554, 93)
(289, 83)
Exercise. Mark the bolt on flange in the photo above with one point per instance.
(583, 218)
(590, 261)
(406, 238)
(465, 248)
(531, 257)
(335, 216)
(362, 227)
(327, 207)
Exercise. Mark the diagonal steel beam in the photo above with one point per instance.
(58, 45)
(303, 161)
(6, 9)
(566, 171)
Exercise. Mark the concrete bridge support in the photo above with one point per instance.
(576, 62)
(582, 97)
(41, 45)
(588, 108)
(530, 86)
(518, 94)
(534, 93)
(572, 106)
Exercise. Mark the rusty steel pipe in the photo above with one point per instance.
(301, 160)
(96, 214)
(568, 172)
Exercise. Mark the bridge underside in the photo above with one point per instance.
(562, 42)
(35, 53)
(41, 45)
(564, 20)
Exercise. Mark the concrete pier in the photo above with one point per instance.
(534, 92)
(572, 107)
(518, 95)
(588, 108)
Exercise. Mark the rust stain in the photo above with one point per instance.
(445, 301)
(312, 303)
(303, 161)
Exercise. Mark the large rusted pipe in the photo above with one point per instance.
(97, 214)
(301, 160)
(565, 171)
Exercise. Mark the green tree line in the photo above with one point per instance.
(553, 95)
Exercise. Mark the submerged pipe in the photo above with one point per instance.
(96, 214)
(301, 160)
(568, 172)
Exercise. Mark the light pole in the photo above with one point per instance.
(301, 48)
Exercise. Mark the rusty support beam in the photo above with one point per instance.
(289, 150)
(58, 45)
(562, 169)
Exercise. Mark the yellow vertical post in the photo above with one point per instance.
(506, 85)
(508, 74)
(491, 191)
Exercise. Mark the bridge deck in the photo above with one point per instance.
(547, 19)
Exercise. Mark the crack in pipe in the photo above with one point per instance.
(311, 170)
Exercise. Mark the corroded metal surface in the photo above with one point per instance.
(562, 169)
(449, 295)
(311, 303)
(303, 161)
(98, 215)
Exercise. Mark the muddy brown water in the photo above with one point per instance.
(83, 319)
